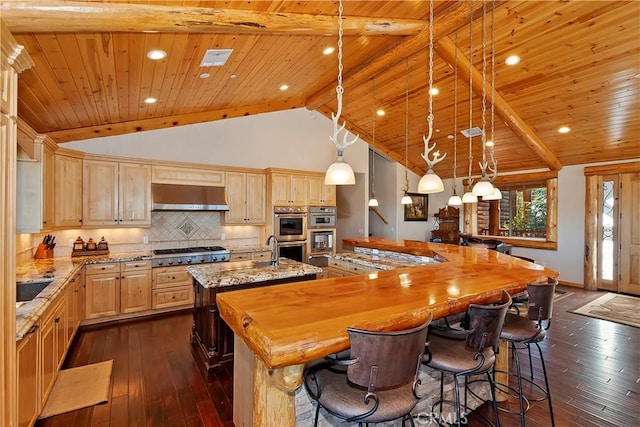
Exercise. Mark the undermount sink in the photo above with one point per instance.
(26, 291)
(262, 263)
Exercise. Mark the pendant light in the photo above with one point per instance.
(484, 186)
(406, 199)
(468, 196)
(496, 194)
(430, 182)
(455, 200)
(340, 172)
(373, 202)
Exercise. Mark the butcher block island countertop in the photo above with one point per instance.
(283, 327)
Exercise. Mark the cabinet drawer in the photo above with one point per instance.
(135, 266)
(261, 255)
(172, 297)
(240, 256)
(170, 277)
(102, 268)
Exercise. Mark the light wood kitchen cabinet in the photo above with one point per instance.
(288, 189)
(102, 290)
(250, 256)
(135, 286)
(48, 187)
(116, 194)
(172, 287)
(114, 288)
(246, 198)
(68, 191)
(187, 176)
(318, 193)
(53, 344)
(28, 368)
(75, 302)
(338, 268)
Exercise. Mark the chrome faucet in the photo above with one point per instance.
(274, 250)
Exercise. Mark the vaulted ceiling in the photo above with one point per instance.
(580, 67)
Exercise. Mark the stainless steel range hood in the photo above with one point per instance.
(172, 197)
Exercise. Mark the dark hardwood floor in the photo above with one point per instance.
(593, 365)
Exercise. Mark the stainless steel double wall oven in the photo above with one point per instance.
(290, 228)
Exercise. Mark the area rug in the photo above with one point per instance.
(613, 307)
(78, 388)
(559, 294)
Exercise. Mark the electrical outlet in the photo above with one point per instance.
(222, 236)
(70, 243)
(145, 240)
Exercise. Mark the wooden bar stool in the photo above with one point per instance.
(527, 331)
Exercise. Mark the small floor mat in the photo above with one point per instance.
(617, 308)
(78, 388)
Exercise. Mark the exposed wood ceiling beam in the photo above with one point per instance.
(34, 16)
(167, 122)
(445, 48)
(446, 22)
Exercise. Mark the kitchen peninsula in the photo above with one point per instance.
(281, 328)
(212, 339)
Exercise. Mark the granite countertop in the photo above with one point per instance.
(247, 249)
(60, 270)
(384, 260)
(243, 272)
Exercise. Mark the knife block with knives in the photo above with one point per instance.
(45, 249)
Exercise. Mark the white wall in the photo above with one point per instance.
(293, 139)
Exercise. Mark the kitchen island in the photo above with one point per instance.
(212, 339)
(281, 328)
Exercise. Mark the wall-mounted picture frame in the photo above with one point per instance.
(417, 211)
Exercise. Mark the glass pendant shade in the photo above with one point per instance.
(496, 194)
(373, 201)
(406, 200)
(339, 173)
(454, 200)
(469, 197)
(483, 187)
(430, 183)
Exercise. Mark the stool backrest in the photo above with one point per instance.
(386, 359)
(486, 323)
(540, 303)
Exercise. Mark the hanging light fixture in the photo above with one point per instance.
(496, 194)
(484, 186)
(340, 172)
(430, 182)
(373, 201)
(468, 196)
(406, 199)
(455, 200)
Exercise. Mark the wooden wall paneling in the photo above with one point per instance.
(552, 210)
(591, 233)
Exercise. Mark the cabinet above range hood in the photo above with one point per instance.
(172, 197)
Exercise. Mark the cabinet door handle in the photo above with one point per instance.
(32, 329)
(57, 320)
(80, 220)
(115, 220)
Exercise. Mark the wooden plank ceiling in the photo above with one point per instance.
(580, 67)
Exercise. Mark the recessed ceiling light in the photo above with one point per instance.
(156, 54)
(637, 75)
(564, 129)
(380, 112)
(205, 75)
(232, 76)
(150, 100)
(512, 60)
(434, 91)
(284, 87)
(328, 50)
(489, 143)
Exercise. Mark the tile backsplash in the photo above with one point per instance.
(168, 230)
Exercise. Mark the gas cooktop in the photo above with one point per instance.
(186, 256)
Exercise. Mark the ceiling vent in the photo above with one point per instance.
(215, 57)
(471, 132)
